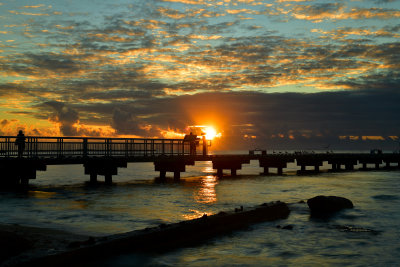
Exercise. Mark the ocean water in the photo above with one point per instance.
(367, 235)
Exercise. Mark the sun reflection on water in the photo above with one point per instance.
(41, 194)
(193, 215)
(206, 192)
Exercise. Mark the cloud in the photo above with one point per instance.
(65, 116)
(293, 116)
(319, 12)
(162, 65)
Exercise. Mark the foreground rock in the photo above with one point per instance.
(328, 204)
(168, 236)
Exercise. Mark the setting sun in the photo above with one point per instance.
(210, 132)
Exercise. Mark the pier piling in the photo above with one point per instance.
(229, 162)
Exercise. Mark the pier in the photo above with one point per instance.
(104, 156)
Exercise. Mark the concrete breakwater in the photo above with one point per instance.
(165, 236)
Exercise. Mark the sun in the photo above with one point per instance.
(208, 131)
(211, 133)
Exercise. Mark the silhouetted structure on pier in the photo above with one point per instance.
(103, 156)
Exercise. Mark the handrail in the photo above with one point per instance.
(90, 137)
(50, 146)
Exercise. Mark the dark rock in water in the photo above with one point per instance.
(288, 227)
(328, 204)
(354, 229)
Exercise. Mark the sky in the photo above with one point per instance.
(265, 74)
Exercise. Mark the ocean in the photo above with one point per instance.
(368, 235)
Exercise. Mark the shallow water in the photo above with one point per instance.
(59, 198)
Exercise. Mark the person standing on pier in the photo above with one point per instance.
(20, 142)
(192, 139)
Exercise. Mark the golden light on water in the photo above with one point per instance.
(206, 192)
(194, 214)
(41, 194)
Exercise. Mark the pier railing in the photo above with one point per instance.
(60, 147)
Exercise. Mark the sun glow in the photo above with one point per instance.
(209, 131)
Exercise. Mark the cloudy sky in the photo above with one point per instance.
(263, 73)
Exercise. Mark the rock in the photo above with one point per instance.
(328, 204)
(287, 227)
(354, 229)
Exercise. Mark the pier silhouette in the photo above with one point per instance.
(103, 156)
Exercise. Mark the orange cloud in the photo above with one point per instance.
(27, 13)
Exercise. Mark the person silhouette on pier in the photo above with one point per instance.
(191, 138)
(20, 142)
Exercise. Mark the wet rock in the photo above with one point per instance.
(239, 209)
(355, 229)
(328, 204)
(287, 227)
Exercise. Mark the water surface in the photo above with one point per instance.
(59, 198)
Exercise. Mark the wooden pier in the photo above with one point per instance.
(103, 156)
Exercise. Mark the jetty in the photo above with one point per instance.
(165, 236)
(104, 156)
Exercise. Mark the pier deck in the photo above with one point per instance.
(103, 156)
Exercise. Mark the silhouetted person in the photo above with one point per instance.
(20, 142)
(191, 138)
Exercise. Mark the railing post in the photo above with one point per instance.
(108, 148)
(126, 147)
(36, 147)
(85, 147)
(204, 146)
(163, 146)
(8, 142)
(29, 147)
(7, 139)
(61, 146)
